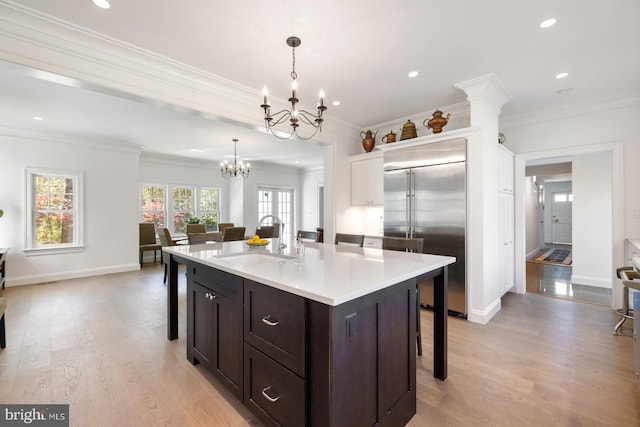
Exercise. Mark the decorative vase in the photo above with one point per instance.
(408, 131)
(437, 122)
(368, 140)
(389, 138)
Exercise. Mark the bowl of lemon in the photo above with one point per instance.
(256, 241)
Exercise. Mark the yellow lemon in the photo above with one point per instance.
(256, 238)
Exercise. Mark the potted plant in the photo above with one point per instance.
(193, 220)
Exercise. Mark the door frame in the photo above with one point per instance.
(617, 208)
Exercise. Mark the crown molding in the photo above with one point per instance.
(16, 132)
(613, 102)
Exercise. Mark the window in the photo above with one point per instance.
(153, 205)
(54, 210)
(278, 202)
(208, 208)
(185, 202)
(182, 208)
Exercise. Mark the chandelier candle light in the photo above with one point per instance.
(237, 170)
(293, 115)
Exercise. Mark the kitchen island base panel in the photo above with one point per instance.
(362, 359)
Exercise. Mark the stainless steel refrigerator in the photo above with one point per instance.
(425, 196)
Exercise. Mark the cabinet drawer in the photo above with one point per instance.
(274, 393)
(275, 323)
(217, 281)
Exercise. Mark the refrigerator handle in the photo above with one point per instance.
(407, 210)
(413, 205)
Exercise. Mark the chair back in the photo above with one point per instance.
(310, 236)
(223, 225)
(406, 244)
(350, 239)
(265, 232)
(147, 233)
(233, 233)
(195, 238)
(165, 237)
(196, 228)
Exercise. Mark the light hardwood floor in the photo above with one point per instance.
(100, 345)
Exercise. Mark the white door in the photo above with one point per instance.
(561, 217)
(278, 202)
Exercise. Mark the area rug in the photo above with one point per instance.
(555, 256)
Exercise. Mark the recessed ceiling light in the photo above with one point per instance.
(561, 75)
(195, 150)
(548, 23)
(37, 118)
(103, 4)
(413, 73)
(336, 103)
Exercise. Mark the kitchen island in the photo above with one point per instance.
(326, 339)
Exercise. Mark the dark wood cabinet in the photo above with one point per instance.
(294, 361)
(214, 324)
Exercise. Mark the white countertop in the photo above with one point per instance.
(330, 274)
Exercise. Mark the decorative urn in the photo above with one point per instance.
(368, 140)
(437, 122)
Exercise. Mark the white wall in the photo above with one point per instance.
(533, 218)
(592, 254)
(309, 214)
(110, 199)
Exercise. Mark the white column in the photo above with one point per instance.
(486, 96)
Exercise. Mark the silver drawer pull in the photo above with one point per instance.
(267, 321)
(266, 396)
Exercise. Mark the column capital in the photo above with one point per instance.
(485, 88)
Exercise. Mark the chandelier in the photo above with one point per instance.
(237, 169)
(294, 115)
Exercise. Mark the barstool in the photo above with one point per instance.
(627, 274)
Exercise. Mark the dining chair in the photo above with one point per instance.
(147, 239)
(164, 235)
(309, 236)
(196, 228)
(349, 239)
(233, 233)
(3, 334)
(196, 238)
(406, 244)
(223, 225)
(416, 245)
(265, 232)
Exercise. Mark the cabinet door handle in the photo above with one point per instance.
(269, 398)
(267, 321)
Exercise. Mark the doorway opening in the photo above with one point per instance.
(549, 236)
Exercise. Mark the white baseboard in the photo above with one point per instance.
(53, 277)
(591, 281)
(484, 316)
(532, 254)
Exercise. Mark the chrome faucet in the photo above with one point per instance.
(278, 221)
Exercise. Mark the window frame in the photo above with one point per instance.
(169, 201)
(77, 211)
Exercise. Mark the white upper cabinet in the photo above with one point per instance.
(367, 181)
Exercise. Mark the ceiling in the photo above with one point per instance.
(359, 52)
